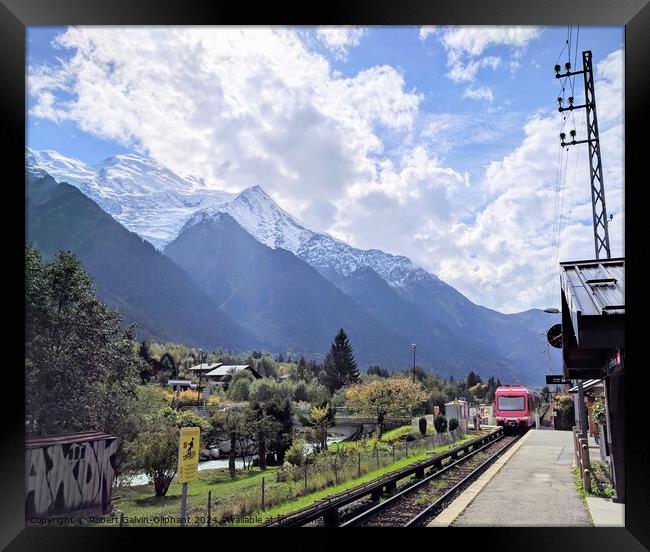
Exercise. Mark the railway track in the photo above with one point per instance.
(418, 503)
(407, 497)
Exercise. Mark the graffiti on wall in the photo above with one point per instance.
(64, 477)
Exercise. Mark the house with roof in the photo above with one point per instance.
(223, 373)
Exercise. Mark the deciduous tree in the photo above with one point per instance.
(382, 397)
(81, 365)
(320, 420)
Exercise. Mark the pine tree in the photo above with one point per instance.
(302, 371)
(340, 368)
(472, 379)
(491, 388)
(144, 351)
(145, 354)
(167, 360)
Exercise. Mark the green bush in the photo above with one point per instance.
(440, 423)
(295, 454)
(453, 424)
(317, 393)
(239, 390)
(599, 411)
(301, 392)
(422, 424)
(564, 412)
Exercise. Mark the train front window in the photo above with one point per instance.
(511, 403)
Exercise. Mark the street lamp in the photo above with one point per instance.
(580, 407)
(413, 345)
(204, 357)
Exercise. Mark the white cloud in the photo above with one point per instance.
(466, 45)
(339, 40)
(236, 106)
(427, 31)
(506, 255)
(244, 106)
(481, 93)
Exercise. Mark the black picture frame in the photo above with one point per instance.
(16, 15)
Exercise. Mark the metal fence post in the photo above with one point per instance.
(393, 449)
(183, 516)
(336, 473)
(209, 506)
(121, 519)
(377, 456)
(262, 492)
(358, 464)
(306, 466)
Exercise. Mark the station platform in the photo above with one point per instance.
(530, 485)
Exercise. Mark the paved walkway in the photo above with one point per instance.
(533, 487)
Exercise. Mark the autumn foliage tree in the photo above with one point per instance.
(383, 397)
(320, 420)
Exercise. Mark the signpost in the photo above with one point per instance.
(188, 463)
(556, 379)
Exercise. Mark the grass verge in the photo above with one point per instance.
(262, 516)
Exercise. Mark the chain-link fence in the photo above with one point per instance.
(249, 500)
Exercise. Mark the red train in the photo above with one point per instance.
(515, 406)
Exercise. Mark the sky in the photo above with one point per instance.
(437, 143)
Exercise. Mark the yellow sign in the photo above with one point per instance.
(188, 454)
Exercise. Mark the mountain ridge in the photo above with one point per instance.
(154, 207)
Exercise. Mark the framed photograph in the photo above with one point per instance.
(331, 256)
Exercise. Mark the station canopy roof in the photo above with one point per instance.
(593, 315)
(588, 384)
(594, 292)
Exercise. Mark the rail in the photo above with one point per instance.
(414, 488)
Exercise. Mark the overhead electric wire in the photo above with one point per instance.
(559, 220)
(561, 210)
(572, 192)
(552, 256)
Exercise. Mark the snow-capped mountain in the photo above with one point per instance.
(384, 300)
(141, 194)
(271, 225)
(154, 202)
